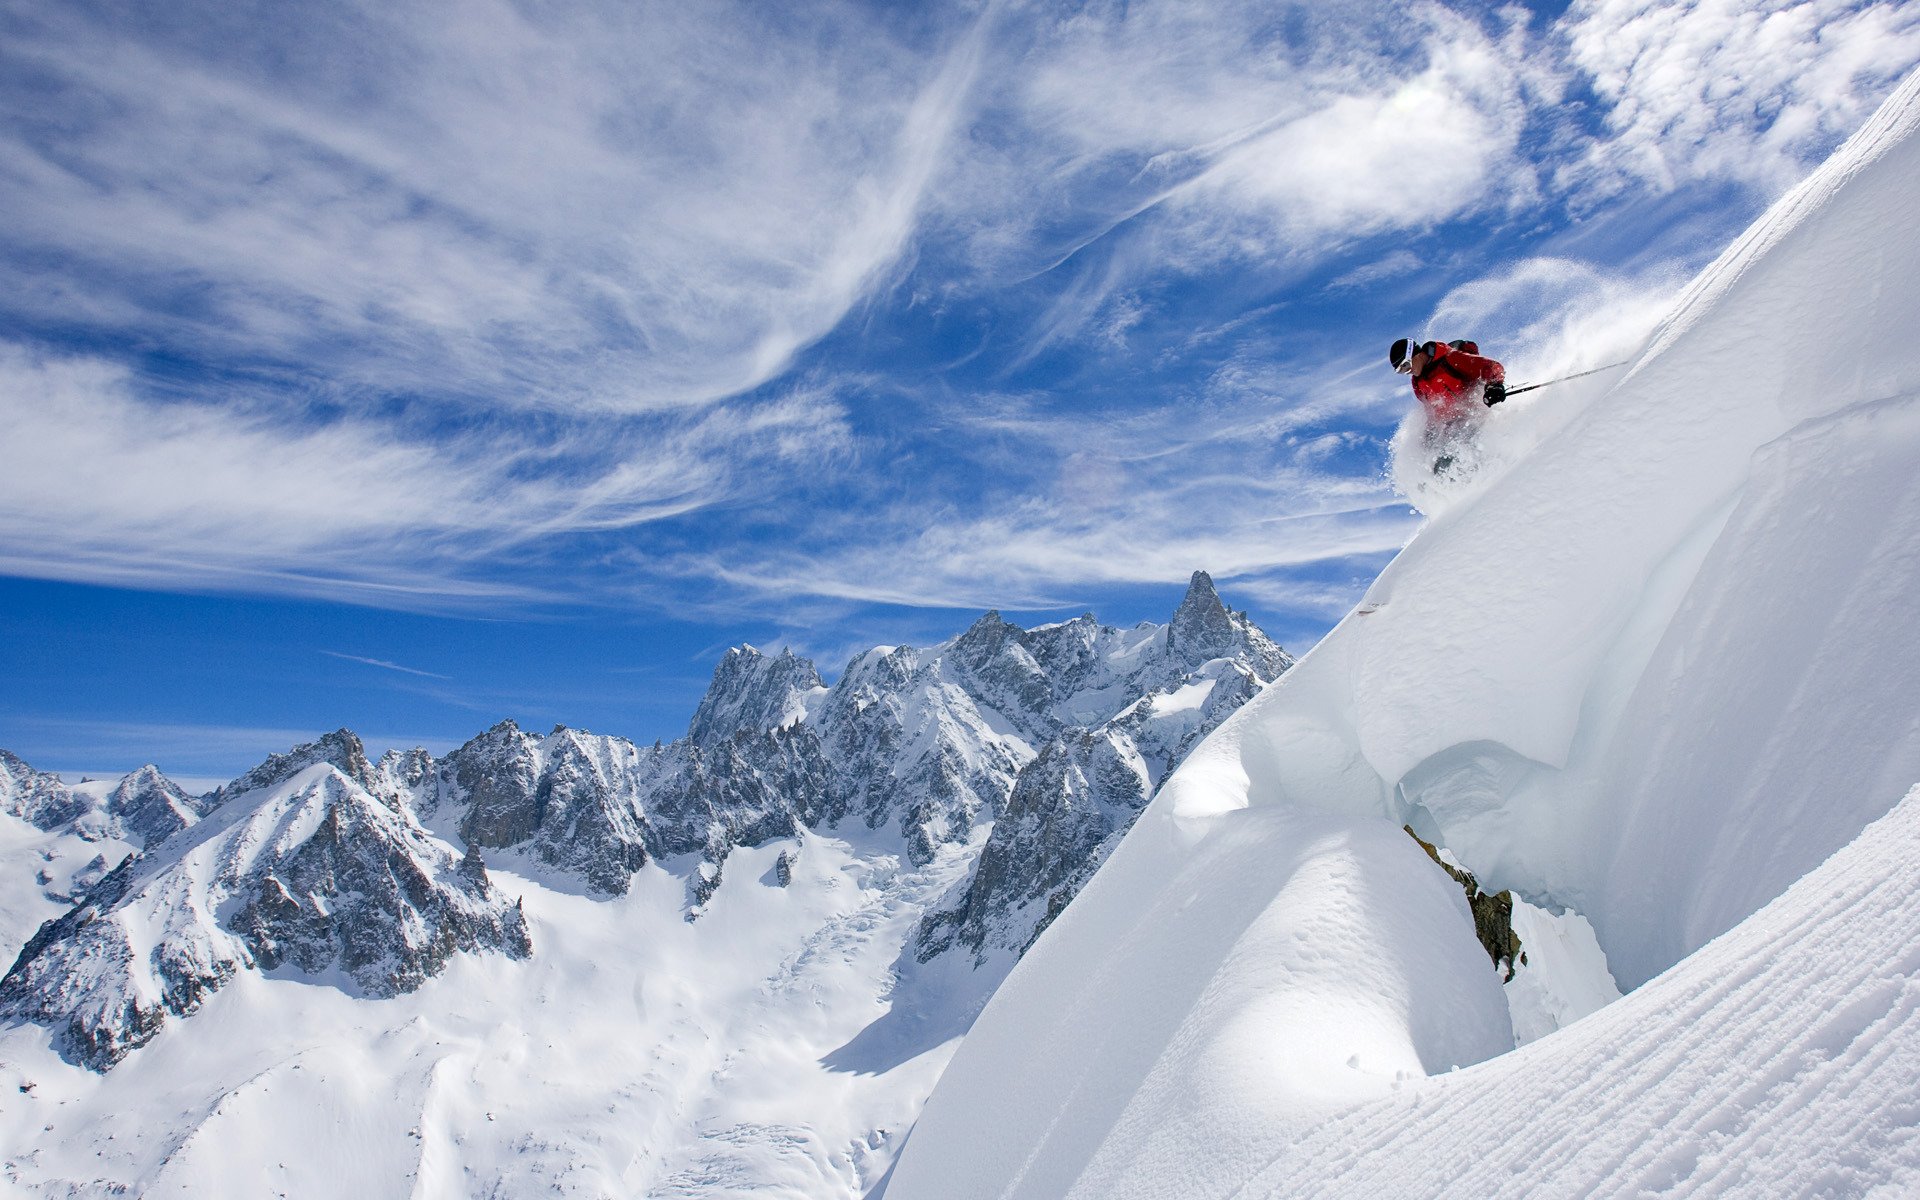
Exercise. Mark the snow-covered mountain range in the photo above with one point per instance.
(845, 872)
(1654, 666)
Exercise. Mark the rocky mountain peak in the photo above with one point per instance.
(995, 660)
(151, 807)
(752, 692)
(312, 873)
(37, 797)
(497, 774)
(1202, 627)
(342, 748)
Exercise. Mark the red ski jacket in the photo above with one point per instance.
(1455, 377)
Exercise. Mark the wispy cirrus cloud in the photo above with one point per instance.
(578, 205)
(119, 489)
(512, 304)
(383, 664)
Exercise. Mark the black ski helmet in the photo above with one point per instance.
(1398, 352)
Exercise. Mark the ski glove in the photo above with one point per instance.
(1496, 392)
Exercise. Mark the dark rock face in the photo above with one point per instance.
(587, 823)
(599, 808)
(311, 872)
(37, 797)
(151, 808)
(994, 663)
(1492, 913)
(1203, 628)
(710, 800)
(570, 800)
(751, 692)
(366, 896)
(1083, 790)
(498, 776)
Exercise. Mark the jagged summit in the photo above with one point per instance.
(36, 797)
(309, 870)
(1204, 628)
(752, 691)
(150, 807)
(342, 748)
(1201, 626)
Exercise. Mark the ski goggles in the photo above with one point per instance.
(1401, 355)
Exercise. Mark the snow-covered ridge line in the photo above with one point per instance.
(1658, 672)
(309, 870)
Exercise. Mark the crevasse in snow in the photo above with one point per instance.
(1658, 671)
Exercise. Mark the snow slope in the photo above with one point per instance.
(634, 1054)
(1657, 671)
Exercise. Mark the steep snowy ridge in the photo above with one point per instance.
(1660, 673)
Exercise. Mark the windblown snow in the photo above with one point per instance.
(1659, 671)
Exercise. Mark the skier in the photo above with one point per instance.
(1454, 384)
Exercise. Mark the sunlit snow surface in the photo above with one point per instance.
(1653, 663)
(635, 1054)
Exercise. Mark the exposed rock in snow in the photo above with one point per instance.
(144, 807)
(1083, 789)
(497, 776)
(37, 797)
(149, 808)
(567, 799)
(407, 778)
(1203, 629)
(1492, 913)
(309, 869)
(751, 692)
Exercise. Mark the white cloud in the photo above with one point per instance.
(610, 207)
(104, 486)
(1745, 90)
(1248, 475)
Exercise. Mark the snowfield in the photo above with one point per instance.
(1659, 671)
(686, 1062)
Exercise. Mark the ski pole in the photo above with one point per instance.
(1578, 374)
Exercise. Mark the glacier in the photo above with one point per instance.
(1657, 670)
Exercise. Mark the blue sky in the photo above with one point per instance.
(406, 367)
